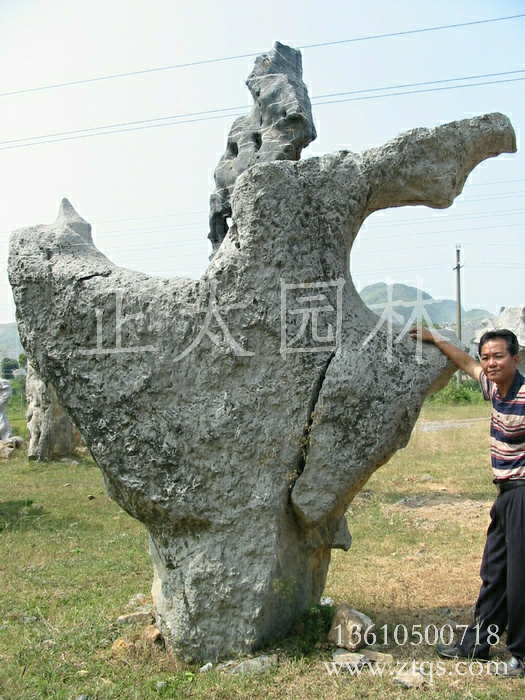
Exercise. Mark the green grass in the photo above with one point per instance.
(70, 564)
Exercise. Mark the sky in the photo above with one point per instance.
(144, 185)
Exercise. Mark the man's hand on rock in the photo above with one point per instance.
(424, 334)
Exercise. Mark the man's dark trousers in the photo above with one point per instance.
(501, 601)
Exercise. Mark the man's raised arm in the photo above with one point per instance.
(459, 357)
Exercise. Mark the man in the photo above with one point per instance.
(501, 601)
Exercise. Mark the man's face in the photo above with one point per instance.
(497, 362)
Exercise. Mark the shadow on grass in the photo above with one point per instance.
(307, 635)
(20, 515)
(25, 516)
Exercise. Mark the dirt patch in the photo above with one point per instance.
(430, 426)
(427, 512)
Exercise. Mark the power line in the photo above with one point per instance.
(164, 257)
(372, 226)
(122, 124)
(414, 92)
(485, 198)
(442, 219)
(205, 213)
(509, 265)
(397, 269)
(432, 245)
(437, 267)
(498, 245)
(252, 55)
(506, 266)
(186, 244)
(161, 244)
(199, 244)
(411, 31)
(157, 229)
(426, 82)
(388, 250)
(154, 123)
(502, 182)
(443, 233)
(119, 131)
(198, 253)
(162, 216)
(137, 247)
(128, 233)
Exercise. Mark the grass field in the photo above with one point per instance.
(72, 560)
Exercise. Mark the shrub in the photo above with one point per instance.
(8, 365)
(469, 390)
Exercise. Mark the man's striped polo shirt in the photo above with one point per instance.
(507, 427)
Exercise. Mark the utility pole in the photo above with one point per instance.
(458, 302)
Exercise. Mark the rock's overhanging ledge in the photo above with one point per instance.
(238, 451)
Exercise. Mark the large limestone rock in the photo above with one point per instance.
(279, 126)
(51, 433)
(236, 416)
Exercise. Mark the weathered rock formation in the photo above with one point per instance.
(6, 431)
(279, 126)
(237, 416)
(512, 318)
(8, 447)
(51, 433)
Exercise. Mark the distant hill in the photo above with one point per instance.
(10, 345)
(475, 315)
(440, 311)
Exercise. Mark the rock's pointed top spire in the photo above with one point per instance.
(67, 216)
(279, 126)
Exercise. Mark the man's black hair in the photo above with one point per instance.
(508, 336)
